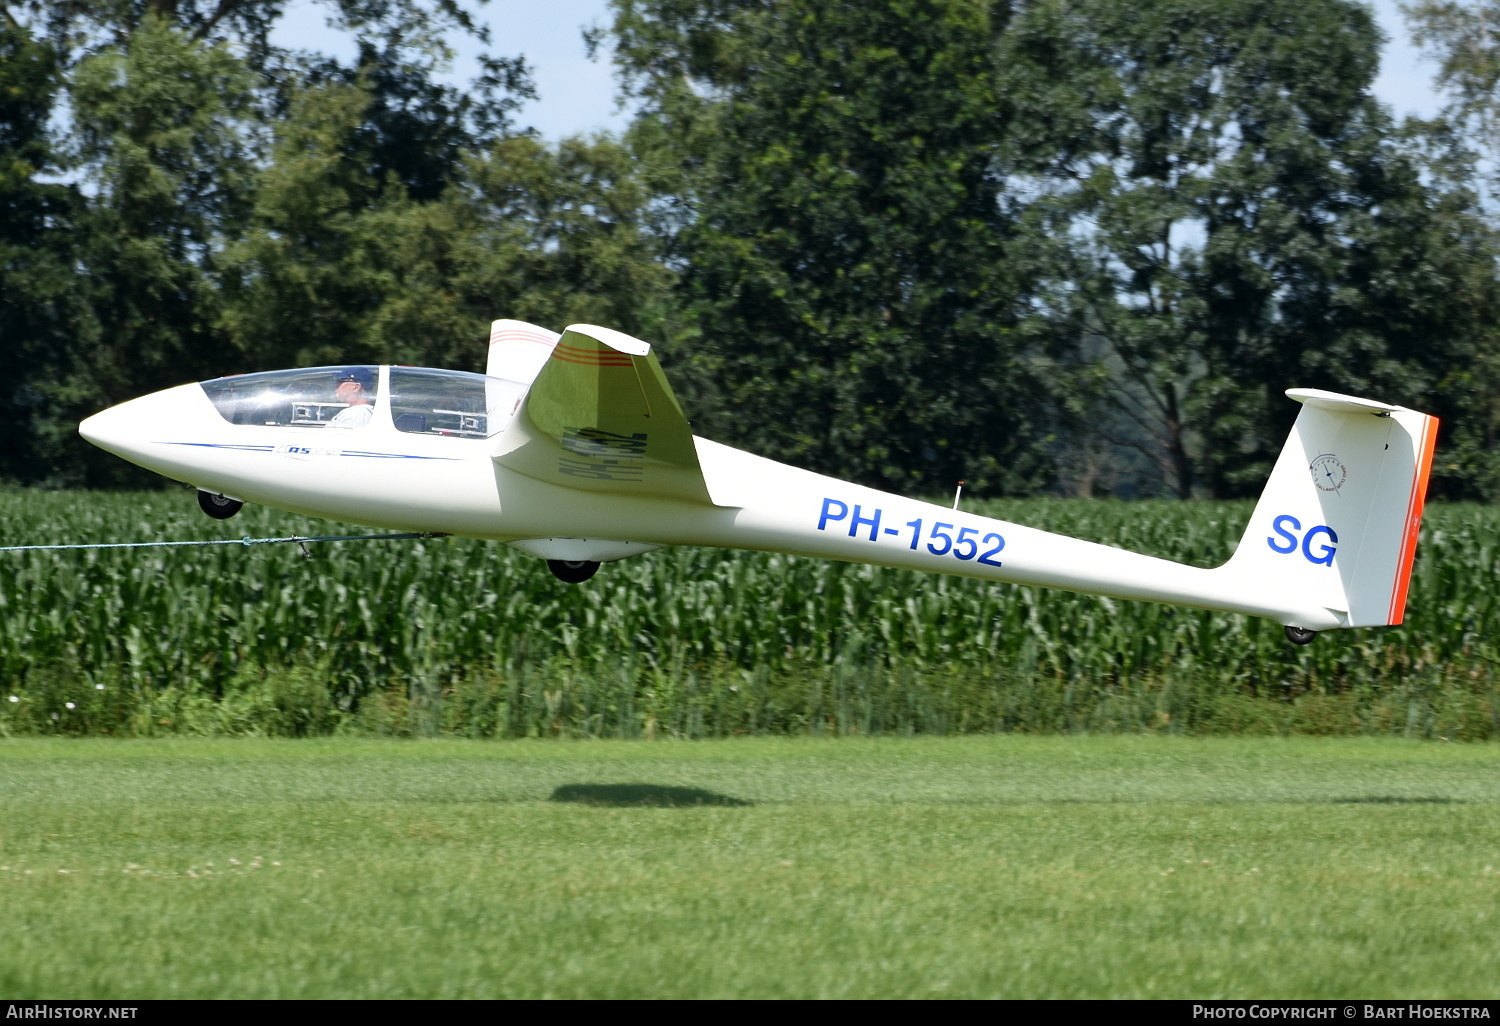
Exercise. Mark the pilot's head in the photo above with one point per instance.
(354, 386)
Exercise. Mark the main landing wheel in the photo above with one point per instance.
(1300, 635)
(219, 507)
(574, 571)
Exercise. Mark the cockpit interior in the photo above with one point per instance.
(420, 400)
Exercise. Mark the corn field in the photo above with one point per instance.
(457, 636)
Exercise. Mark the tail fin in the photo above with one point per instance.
(518, 350)
(1338, 522)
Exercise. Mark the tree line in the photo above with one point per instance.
(1074, 246)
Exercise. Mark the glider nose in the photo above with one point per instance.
(130, 429)
(109, 429)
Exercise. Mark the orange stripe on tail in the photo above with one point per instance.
(513, 335)
(591, 357)
(1414, 505)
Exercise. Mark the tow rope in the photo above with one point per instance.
(296, 539)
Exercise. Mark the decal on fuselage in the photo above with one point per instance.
(305, 452)
(966, 545)
(600, 455)
(308, 451)
(1287, 526)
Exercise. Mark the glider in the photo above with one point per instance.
(574, 449)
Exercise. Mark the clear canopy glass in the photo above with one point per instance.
(423, 400)
(452, 403)
(315, 397)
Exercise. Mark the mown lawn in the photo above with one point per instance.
(976, 866)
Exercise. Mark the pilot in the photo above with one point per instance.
(355, 388)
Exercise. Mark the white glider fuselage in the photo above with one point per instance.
(588, 493)
(381, 478)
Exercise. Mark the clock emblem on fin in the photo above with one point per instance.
(1328, 473)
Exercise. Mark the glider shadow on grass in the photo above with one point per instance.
(641, 796)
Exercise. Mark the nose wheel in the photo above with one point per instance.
(220, 507)
(573, 571)
(1300, 635)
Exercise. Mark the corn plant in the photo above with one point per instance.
(472, 637)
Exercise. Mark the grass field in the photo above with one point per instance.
(974, 866)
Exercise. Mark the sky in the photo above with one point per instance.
(578, 96)
(1405, 79)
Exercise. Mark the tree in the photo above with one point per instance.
(39, 302)
(170, 101)
(161, 131)
(296, 282)
(1464, 38)
(1240, 219)
(840, 225)
(571, 229)
(1460, 148)
(80, 27)
(339, 264)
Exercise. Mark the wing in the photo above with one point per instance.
(600, 417)
(518, 350)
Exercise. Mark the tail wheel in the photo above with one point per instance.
(219, 507)
(1300, 635)
(573, 571)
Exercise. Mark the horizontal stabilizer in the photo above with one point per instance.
(1335, 403)
(600, 417)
